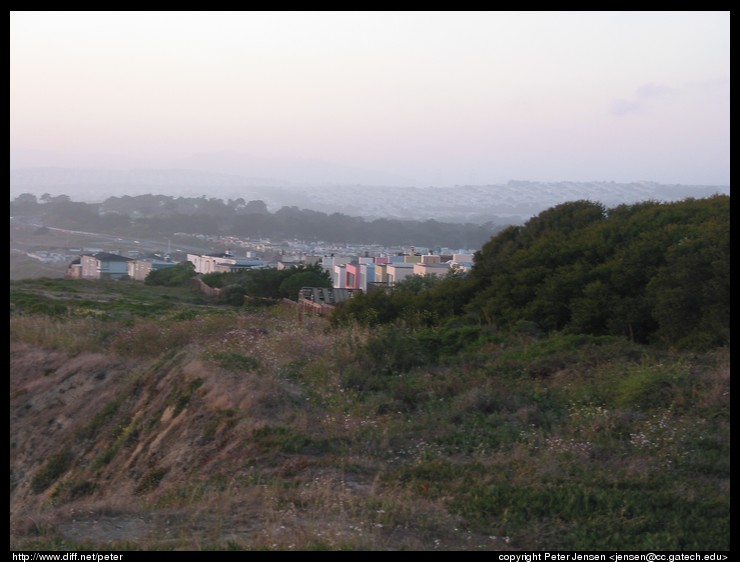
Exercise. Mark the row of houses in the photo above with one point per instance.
(349, 272)
(105, 265)
(346, 272)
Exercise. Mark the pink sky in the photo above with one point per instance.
(432, 98)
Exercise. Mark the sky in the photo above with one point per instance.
(416, 98)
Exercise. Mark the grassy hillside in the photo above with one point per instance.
(149, 418)
(24, 267)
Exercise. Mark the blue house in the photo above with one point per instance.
(103, 265)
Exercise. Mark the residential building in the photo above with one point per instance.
(339, 276)
(353, 275)
(439, 269)
(225, 262)
(287, 263)
(462, 262)
(399, 271)
(74, 269)
(103, 265)
(463, 258)
(381, 272)
(331, 261)
(367, 275)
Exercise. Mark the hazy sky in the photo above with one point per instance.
(431, 98)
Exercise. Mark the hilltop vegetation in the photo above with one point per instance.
(161, 215)
(152, 417)
(651, 272)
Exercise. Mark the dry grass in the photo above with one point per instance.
(73, 335)
(249, 431)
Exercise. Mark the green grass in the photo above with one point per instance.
(100, 298)
(151, 480)
(307, 438)
(235, 360)
(287, 440)
(54, 467)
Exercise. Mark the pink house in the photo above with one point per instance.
(353, 274)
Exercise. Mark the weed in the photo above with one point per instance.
(151, 480)
(235, 361)
(55, 467)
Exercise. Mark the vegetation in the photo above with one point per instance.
(173, 423)
(176, 276)
(268, 283)
(652, 272)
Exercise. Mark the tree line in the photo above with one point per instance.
(652, 272)
(267, 284)
(161, 215)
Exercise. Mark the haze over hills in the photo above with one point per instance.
(95, 185)
(251, 169)
(515, 200)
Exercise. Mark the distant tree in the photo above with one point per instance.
(264, 283)
(236, 204)
(257, 207)
(46, 198)
(176, 276)
(64, 213)
(415, 284)
(291, 286)
(24, 204)
(115, 222)
(233, 295)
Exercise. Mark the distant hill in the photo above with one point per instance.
(514, 201)
(517, 200)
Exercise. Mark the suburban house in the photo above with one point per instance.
(339, 276)
(356, 273)
(367, 275)
(440, 269)
(462, 262)
(399, 271)
(381, 272)
(287, 263)
(225, 262)
(103, 265)
(74, 269)
(336, 267)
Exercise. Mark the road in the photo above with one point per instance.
(141, 244)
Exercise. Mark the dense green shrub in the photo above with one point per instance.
(652, 272)
(176, 276)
